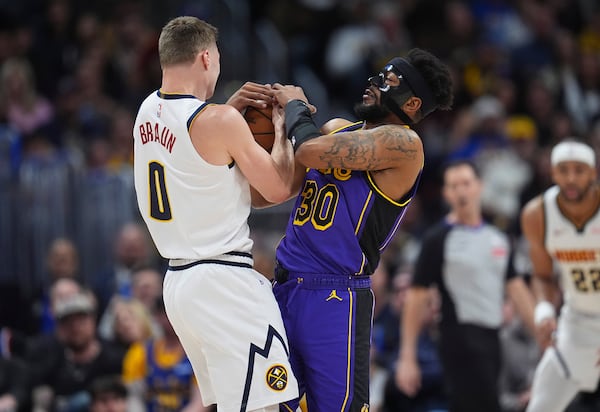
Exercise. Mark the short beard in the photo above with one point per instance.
(581, 195)
(371, 113)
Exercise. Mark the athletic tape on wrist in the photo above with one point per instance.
(299, 124)
(543, 310)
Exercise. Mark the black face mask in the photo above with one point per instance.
(411, 84)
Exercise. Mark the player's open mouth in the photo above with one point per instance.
(368, 94)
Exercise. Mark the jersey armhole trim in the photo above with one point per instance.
(404, 200)
(348, 128)
(196, 114)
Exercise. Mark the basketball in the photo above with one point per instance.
(261, 126)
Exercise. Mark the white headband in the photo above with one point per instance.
(573, 151)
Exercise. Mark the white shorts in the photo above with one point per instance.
(230, 326)
(578, 343)
(570, 365)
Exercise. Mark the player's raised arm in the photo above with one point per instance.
(383, 147)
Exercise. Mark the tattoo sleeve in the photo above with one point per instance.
(375, 149)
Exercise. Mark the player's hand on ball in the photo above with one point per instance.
(252, 94)
(284, 94)
(279, 119)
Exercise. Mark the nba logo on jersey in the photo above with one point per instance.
(159, 111)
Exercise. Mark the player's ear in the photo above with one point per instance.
(412, 108)
(205, 58)
(412, 105)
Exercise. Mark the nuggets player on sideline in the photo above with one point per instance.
(194, 163)
(353, 197)
(562, 227)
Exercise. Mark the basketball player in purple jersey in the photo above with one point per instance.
(361, 178)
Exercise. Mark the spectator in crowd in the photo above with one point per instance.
(506, 170)
(108, 394)
(60, 289)
(62, 262)
(158, 373)
(133, 323)
(26, 109)
(132, 248)
(76, 357)
(146, 286)
(15, 385)
(386, 339)
(470, 261)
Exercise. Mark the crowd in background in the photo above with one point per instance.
(72, 74)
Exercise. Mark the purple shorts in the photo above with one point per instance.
(328, 322)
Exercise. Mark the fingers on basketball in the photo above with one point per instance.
(261, 125)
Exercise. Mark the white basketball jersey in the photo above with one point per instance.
(194, 210)
(577, 254)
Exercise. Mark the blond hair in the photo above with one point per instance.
(182, 38)
(139, 312)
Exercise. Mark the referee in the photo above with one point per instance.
(470, 262)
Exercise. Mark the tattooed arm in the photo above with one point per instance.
(393, 153)
(383, 147)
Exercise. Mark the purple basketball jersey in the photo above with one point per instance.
(340, 224)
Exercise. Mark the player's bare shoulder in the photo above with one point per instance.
(532, 217)
(220, 115)
(399, 141)
(334, 125)
(213, 131)
(219, 121)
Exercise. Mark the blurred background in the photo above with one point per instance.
(72, 74)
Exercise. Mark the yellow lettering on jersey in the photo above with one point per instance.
(342, 174)
(339, 174)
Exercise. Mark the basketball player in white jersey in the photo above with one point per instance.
(562, 227)
(195, 164)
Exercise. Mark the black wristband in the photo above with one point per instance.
(299, 124)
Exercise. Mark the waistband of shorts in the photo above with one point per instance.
(322, 280)
(239, 259)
